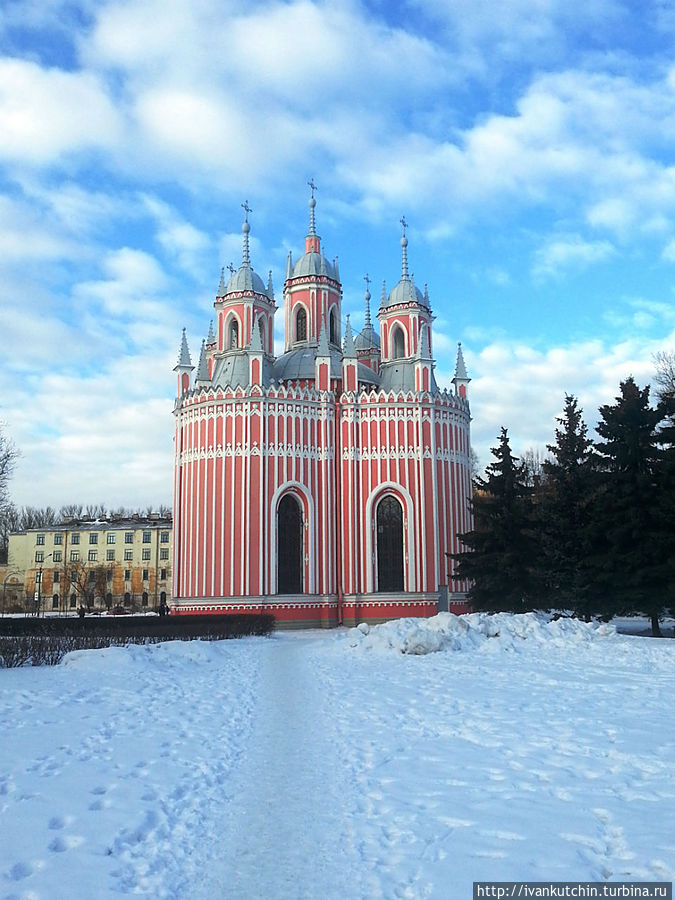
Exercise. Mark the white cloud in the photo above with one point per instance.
(569, 252)
(48, 113)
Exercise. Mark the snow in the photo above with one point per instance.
(404, 760)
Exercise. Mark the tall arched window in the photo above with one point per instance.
(334, 336)
(289, 546)
(389, 545)
(233, 335)
(301, 325)
(398, 343)
(261, 329)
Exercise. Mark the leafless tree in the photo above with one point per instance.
(532, 461)
(664, 379)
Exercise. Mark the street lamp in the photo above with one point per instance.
(38, 599)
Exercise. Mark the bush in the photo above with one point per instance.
(40, 642)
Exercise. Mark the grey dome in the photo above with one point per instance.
(406, 291)
(314, 264)
(245, 279)
(368, 339)
(300, 364)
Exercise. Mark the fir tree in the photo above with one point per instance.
(499, 559)
(626, 528)
(564, 511)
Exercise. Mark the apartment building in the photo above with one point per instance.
(96, 564)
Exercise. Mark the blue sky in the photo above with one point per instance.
(529, 145)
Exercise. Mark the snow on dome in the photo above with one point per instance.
(476, 631)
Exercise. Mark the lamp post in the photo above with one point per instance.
(38, 599)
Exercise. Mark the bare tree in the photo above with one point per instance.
(8, 457)
(664, 379)
(532, 462)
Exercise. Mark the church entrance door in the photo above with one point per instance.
(389, 545)
(289, 546)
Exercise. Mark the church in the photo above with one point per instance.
(326, 485)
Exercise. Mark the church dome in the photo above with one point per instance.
(313, 263)
(406, 291)
(245, 279)
(368, 339)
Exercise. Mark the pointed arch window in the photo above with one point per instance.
(389, 521)
(398, 343)
(289, 546)
(334, 336)
(301, 325)
(261, 329)
(233, 335)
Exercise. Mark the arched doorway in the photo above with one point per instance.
(389, 545)
(289, 546)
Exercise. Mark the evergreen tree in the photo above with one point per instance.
(626, 530)
(564, 511)
(501, 548)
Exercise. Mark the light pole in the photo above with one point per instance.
(38, 600)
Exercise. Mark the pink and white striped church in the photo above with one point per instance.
(326, 485)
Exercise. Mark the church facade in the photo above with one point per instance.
(326, 485)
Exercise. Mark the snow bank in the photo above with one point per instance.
(476, 631)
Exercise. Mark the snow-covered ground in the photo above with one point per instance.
(334, 765)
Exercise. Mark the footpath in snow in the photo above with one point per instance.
(402, 761)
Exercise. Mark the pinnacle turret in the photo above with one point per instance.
(184, 360)
(348, 350)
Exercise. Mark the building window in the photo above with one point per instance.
(57, 576)
(147, 537)
(110, 555)
(39, 556)
(40, 540)
(58, 540)
(93, 538)
(38, 578)
(92, 577)
(75, 539)
(127, 598)
(162, 597)
(334, 337)
(73, 601)
(162, 574)
(163, 554)
(128, 537)
(233, 337)
(74, 555)
(57, 556)
(145, 574)
(92, 555)
(73, 576)
(390, 545)
(55, 601)
(110, 537)
(398, 343)
(127, 574)
(109, 575)
(165, 537)
(145, 598)
(146, 554)
(261, 329)
(301, 325)
(128, 555)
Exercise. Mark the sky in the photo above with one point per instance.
(529, 145)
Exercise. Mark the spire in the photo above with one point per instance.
(460, 368)
(404, 251)
(383, 295)
(426, 294)
(423, 348)
(246, 228)
(335, 266)
(210, 338)
(184, 355)
(322, 349)
(270, 288)
(312, 205)
(221, 286)
(368, 323)
(289, 265)
(322, 264)
(202, 368)
(348, 350)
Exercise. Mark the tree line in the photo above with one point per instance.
(591, 527)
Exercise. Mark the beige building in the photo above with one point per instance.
(96, 564)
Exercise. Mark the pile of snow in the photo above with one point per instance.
(476, 631)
